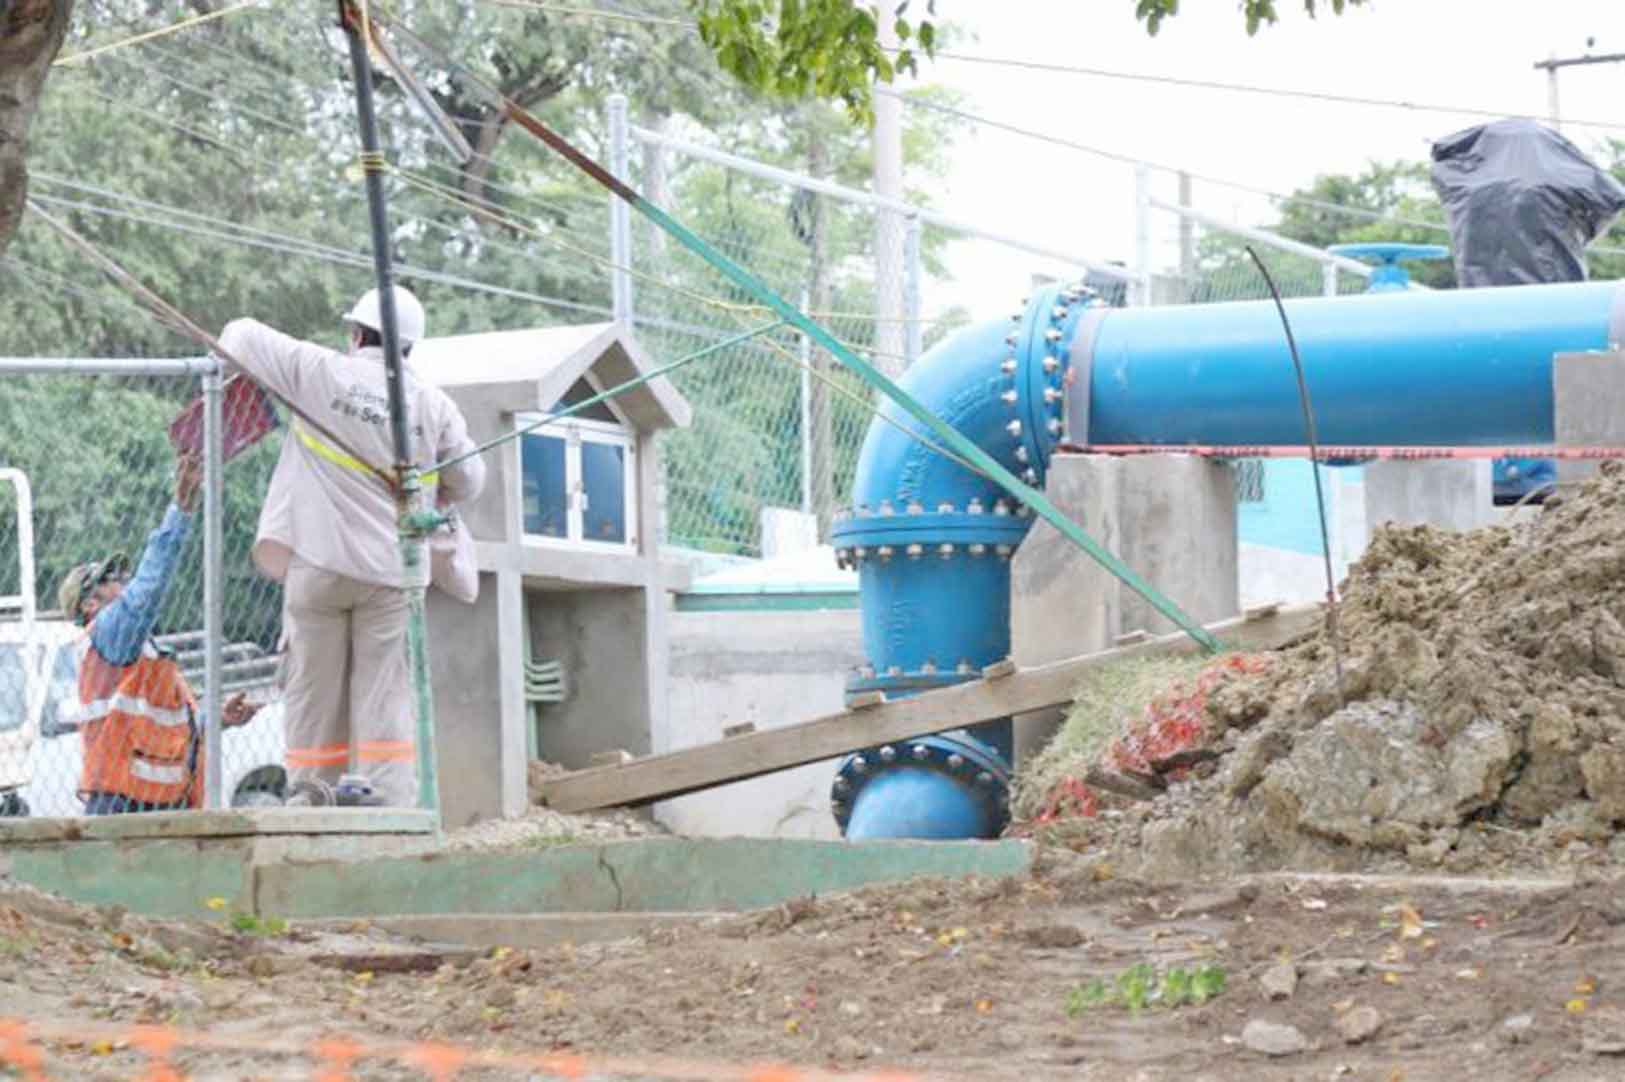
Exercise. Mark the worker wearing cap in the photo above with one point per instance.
(328, 533)
(137, 716)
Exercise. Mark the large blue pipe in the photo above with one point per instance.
(932, 540)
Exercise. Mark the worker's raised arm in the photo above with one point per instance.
(287, 367)
(463, 481)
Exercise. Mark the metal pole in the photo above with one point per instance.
(72, 366)
(408, 486)
(1552, 64)
(887, 145)
(914, 329)
(1552, 107)
(1328, 279)
(620, 221)
(1142, 236)
(772, 173)
(804, 354)
(1187, 238)
(213, 593)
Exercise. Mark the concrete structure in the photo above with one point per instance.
(1452, 495)
(1172, 518)
(769, 669)
(298, 863)
(1588, 397)
(1280, 543)
(569, 562)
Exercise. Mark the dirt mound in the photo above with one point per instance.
(1479, 722)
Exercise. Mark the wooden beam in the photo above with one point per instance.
(660, 777)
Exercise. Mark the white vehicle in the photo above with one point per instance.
(41, 752)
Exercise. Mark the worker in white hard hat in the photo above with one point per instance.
(328, 533)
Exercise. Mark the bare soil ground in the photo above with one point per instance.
(972, 979)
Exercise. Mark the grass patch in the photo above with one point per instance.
(1140, 987)
(1106, 703)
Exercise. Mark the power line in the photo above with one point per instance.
(1244, 88)
(1126, 159)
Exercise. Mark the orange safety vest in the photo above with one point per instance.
(138, 730)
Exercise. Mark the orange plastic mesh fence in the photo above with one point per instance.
(23, 1046)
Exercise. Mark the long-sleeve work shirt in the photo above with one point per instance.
(325, 504)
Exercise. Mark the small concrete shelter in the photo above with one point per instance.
(564, 654)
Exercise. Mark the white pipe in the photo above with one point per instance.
(74, 366)
(1308, 251)
(869, 199)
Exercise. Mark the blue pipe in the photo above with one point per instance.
(932, 540)
(1462, 366)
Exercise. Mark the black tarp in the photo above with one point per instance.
(1523, 203)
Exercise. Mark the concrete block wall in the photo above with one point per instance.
(770, 669)
(1171, 518)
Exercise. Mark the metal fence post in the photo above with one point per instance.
(620, 222)
(1328, 279)
(213, 592)
(1142, 235)
(913, 329)
(804, 354)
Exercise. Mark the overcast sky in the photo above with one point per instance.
(1474, 53)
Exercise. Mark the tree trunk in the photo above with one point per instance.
(820, 415)
(31, 32)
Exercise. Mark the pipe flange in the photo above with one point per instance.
(903, 683)
(976, 768)
(857, 539)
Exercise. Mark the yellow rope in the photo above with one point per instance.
(184, 24)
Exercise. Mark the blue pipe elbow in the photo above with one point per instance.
(932, 541)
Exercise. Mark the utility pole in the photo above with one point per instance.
(1552, 65)
(890, 338)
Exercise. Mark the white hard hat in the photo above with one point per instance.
(409, 317)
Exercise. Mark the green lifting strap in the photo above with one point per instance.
(950, 436)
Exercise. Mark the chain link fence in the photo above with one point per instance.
(87, 470)
(778, 424)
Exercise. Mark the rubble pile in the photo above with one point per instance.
(1479, 725)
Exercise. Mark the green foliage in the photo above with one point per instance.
(1256, 12)
(827, 49)
(249, 924)
(1140, 987)
(249, 124)
(100, 467)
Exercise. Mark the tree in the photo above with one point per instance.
(831, 49)
(1257, 13)
(31, 32)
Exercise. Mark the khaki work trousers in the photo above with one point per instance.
(348, 688)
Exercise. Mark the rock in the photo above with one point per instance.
(500, 996)
(1331, 970)
(1359, 1024)
(262, 965)
(1054, 936)
(1517, 1028)
(1604, 771)
(1604, 1033)
(1377, 775)
(1280, 981)
(849, 1047)
(177, 938)
(1273, 1038)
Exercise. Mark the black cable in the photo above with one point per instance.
(1314, 467)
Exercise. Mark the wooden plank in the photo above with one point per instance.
(659, 777)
